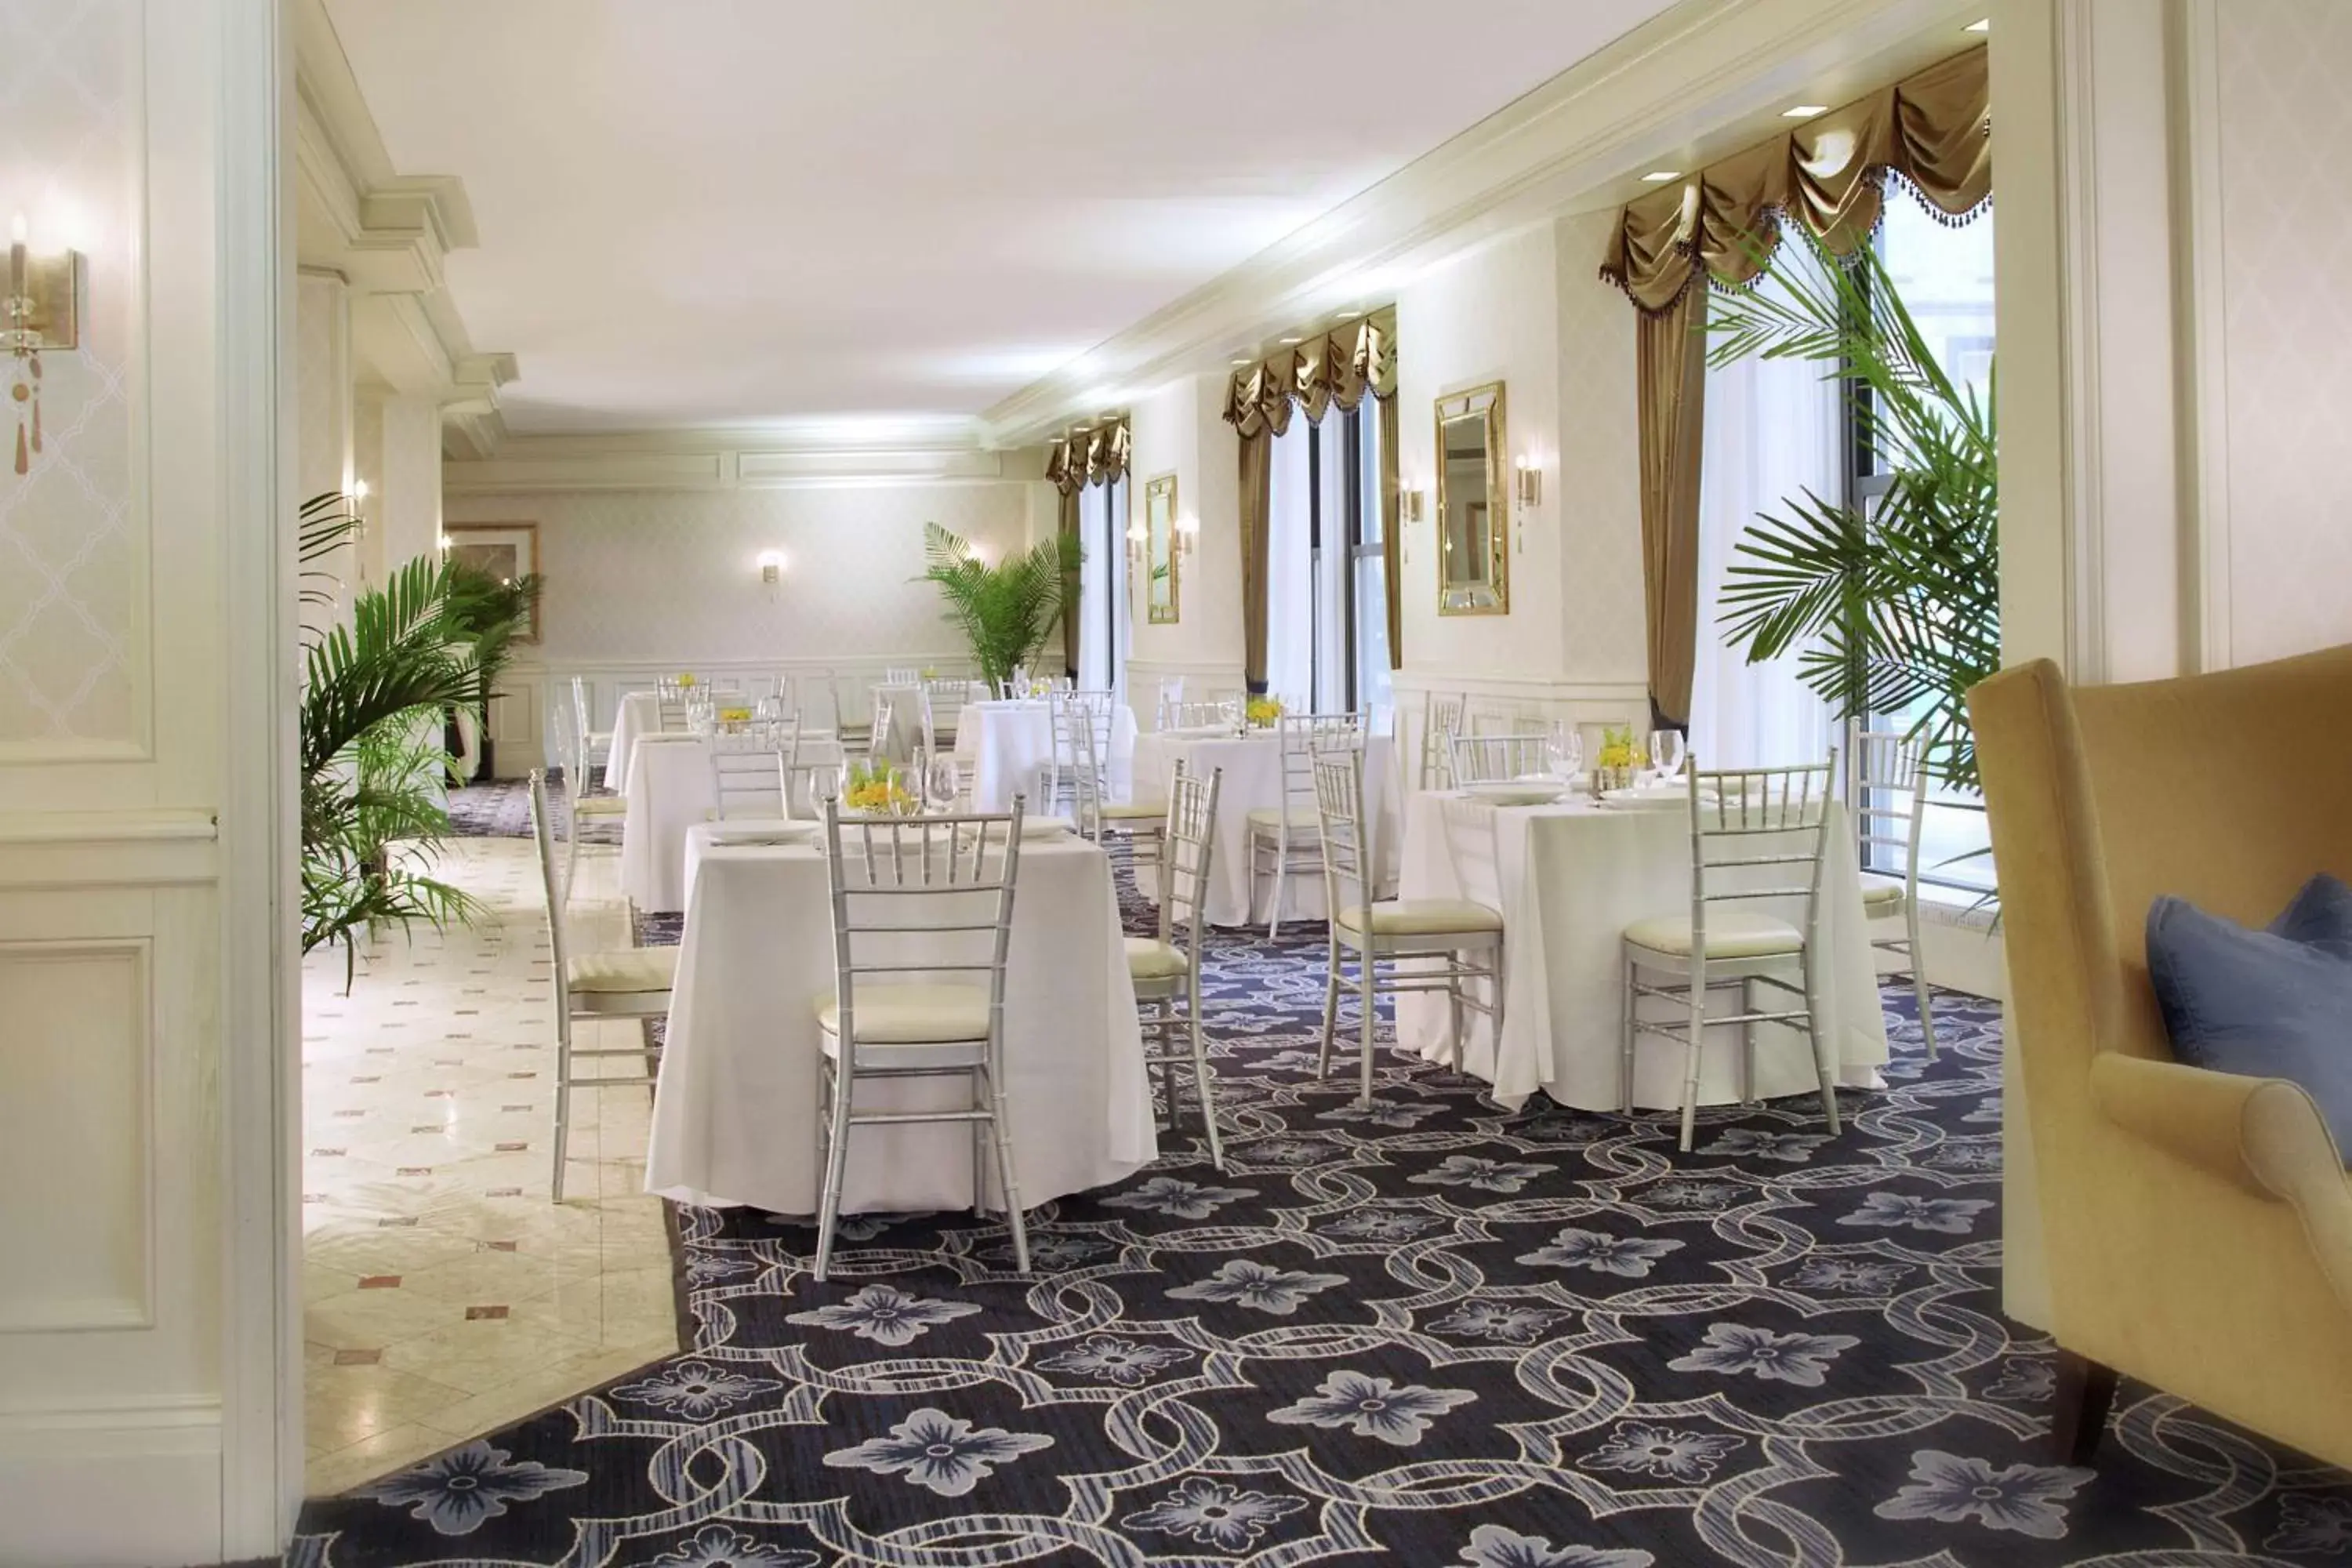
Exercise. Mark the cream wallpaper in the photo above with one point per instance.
(1599, 473)
(2285, 116)
(73, 532)
(673, 576)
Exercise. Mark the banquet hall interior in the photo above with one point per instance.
(1051, 783)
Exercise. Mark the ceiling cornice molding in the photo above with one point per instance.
(806, 457)
(387, 234)
(1693, 77)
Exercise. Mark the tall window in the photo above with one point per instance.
(1327, 586)
(1945, 276)
(1102, 607)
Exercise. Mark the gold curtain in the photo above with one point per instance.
(1091, 455)
(1334, 370)
(1931, 131)
(1391, 534)
(1670, 383)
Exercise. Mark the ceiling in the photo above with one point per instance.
(895, 210)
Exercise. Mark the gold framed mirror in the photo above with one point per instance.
(1473, 513)
(1159, 593)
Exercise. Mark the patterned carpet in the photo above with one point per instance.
(1434, 1333)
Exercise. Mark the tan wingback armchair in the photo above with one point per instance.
(2199, 1225)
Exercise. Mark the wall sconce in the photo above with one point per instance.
(772, 568)
(40, 312)
(446, 542)
(1530, 484)
(1413, 502)
(1188, 533)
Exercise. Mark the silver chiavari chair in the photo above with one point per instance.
(581, 809)
(1166, 968)
(629, 983)
(1489, 759)
(855, 736)
(1889, 794)
(1459, 939)
(949, 880)
(1282, 838)
(749, 774)
(1219, 715)
(1171, 693)
(1441, 721)
(591, 739)
(1756, 833)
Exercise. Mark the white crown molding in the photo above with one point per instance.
(812, 455)
(1698, 80)
(386, 234)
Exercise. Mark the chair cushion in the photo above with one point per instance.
(1877, 895)
(626, 971)
(1423, 917)
(1128, 811)
(1730, 934)
(2263, 1003)
(1150, 959)
(911, 1014)
(1301, 816)
(601, 805)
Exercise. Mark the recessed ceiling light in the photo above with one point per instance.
(1804, 110)
(1240, 362)
(1660, 177)
(1349, 315)
(1287, 341)
(1981, 25)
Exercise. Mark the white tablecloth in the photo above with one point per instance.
(1253, 782)
(905, 736)
(1002, 744)
(640, 714)
(1570, 877)
(735, 1112)
(671, 791)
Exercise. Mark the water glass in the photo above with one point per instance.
(1565, 751)
(1667, 753)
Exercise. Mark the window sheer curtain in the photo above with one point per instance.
(1290, 569)
(1774, 429)
(1102, 588)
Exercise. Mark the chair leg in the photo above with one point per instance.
(1823, 1067)
(1201, 1082)
(1281, 872)
(1627, 1035)
(1331, 1009)
(835, 1113)
(570, 850)
(978, 1151)
(1919, 981)
(1367, 990)
(1691, 1049)
(2086, 1391)
(1457, 1015)
(1498, 981)
(1748, 1042)
(1013, 1219)
(563, 1107)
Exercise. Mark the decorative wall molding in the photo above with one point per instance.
(387, 235)
(2204, 357)
(1705, 78)
(786, 458)
(58, 850)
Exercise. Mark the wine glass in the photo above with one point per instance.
(1667, 753)
(942, 781)
(1565, 751)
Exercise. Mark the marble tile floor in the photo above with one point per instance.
(443, 1295)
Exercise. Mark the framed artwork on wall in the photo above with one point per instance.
(505, 550)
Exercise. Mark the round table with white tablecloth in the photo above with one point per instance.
(735, 1115)
(671, 789)
(1002, 744)
(639, 715)
(1253, 782)
(1569, 878)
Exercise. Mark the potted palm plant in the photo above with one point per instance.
(1897, 606)
(1007, 612)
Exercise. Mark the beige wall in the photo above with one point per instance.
(1179, 429)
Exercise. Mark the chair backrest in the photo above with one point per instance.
(1071, 711)
(1300, 737)
(558, 748)
(1087, 772)
(1337, 780)
(1759, 833)
(902, 675)
(1888, 795)
(884, 717)
(1187, 846)
(1441, 721)
(1172, 694)
(550, 884)
(943, 705)
(1201, 716)
(749, 776)
(579, 715)
(916, 899)
(1481, 759)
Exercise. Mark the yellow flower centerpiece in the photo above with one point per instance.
(872, 790)
(686, 678)
(734, 715)
(1621, 758)
(1263, 712)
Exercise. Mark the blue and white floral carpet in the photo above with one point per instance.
(1434, 1333)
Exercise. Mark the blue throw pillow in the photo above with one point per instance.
(2268, 1004)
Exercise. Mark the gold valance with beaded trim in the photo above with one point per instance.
(1931, 131)
(1095, 455)
(1333, 369)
